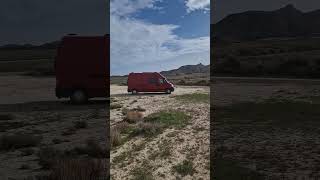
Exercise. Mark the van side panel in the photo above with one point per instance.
(146, 82)
(83, 63)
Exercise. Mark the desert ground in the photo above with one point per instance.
(41, 135)
(265, 128)
(168, 140)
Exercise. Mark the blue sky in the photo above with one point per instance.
(157, 35)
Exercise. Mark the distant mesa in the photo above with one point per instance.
(287, 21)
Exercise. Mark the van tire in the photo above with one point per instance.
(134, 91)
(79, 97)
(168, 91)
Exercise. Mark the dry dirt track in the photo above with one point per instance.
(189, 143)
(34, 110)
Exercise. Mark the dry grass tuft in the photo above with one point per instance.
(115, 137)
(92, 169)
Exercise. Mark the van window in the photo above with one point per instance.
(152, 81)
(161, 81)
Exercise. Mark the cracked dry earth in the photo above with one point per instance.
(288, 151)
(189, 143)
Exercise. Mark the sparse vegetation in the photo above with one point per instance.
(146, 129)
(273, 58)
(48, 156)
(185, 168)
(142, 174)
(80, 169)
(91, 149)
(12, 142)
(115, 106)
(272, 112)
(229, 170)
(169, 118)
(194, 98)
(80, 124)
(124, 111)
(163, 152)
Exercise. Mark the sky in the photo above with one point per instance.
(158, 35)
(40, 21)
(222, 8)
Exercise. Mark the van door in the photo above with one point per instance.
(162, 84)
(98, 75)
(153, 84)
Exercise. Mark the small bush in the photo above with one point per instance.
(11, 142)
(147, 129)
(48, 156)
(122, 127)
(142, 174)
(115, 106)
(202, 83)
(181, 82)
(92, 149)
(184, 168)
(125, 111)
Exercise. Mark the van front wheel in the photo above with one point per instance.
(79, 97)
(168, 91)
(134, 91)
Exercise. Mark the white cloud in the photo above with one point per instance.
(193, 5)
(137, 45)
(125, 7)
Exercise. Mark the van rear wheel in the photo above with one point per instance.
(134, 91)
(79, 97)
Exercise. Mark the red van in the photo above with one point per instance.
(82, 67)
(148, 82)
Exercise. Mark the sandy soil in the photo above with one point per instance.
(36, 111)
(276, 152)
(189, 143)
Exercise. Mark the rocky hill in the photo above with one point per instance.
(188, 69)
(287, 21)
